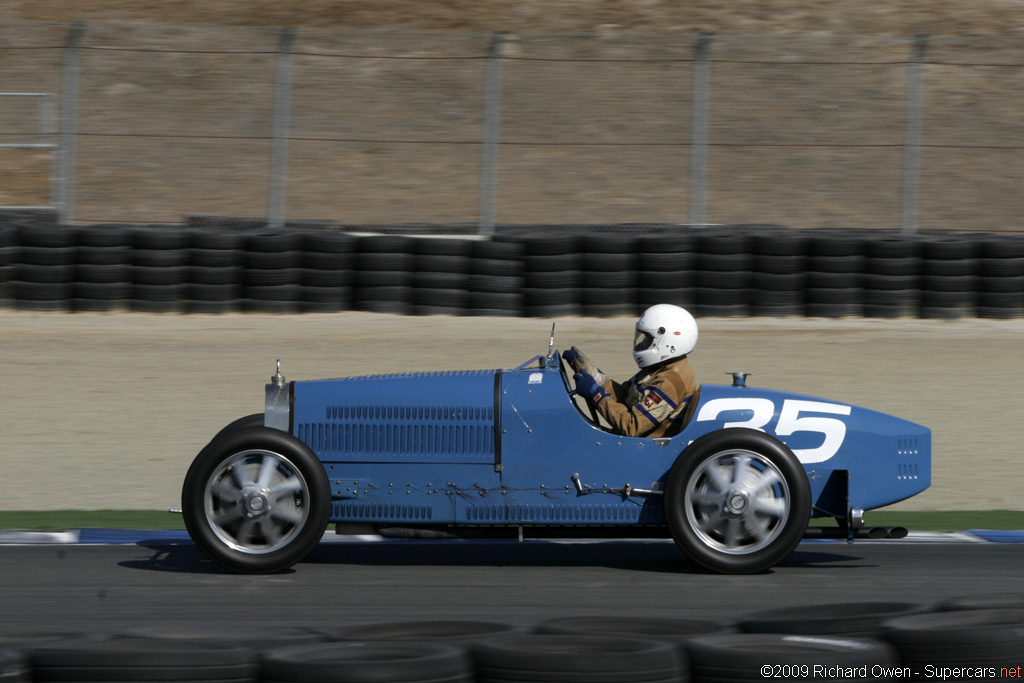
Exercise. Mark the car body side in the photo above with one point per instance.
(512, 447)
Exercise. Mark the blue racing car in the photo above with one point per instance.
(518, 453)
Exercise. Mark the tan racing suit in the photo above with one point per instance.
(650, 403)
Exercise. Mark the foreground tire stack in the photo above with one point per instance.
(971, 640)
(975, 636)
(748, 657)
(592, 659)
(362, 661)
(140, 659)
(14, 667)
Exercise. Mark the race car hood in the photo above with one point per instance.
(414, 418)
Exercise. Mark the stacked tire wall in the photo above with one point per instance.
(729, 271)
(977, 637)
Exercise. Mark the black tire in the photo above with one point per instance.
(206, 275)
(161, 258)
(247, 422)
(362, 662)
(575, 659)
(99, 658)
(795, 264)
(554, 263)
(443, 263)
(251, 636)
(276, 260)
(667, 630)
(451, 632)
(972, 601)
(212, 239)
(217, 258)
(214, 293)
(48, 256)
(860, 619)
(700, 530)
(14, 667)
(271, 277)
(241, 526)
(160, 237)
(753, 656)
(960, 638)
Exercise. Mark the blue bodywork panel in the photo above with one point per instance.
(511, 447)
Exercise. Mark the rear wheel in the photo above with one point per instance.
(256, 500)
(737, 501)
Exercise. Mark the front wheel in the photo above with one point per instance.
(256, 500)
(737, 501)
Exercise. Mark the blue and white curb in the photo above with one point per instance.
(135, 537)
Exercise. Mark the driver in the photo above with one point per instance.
(651, 402)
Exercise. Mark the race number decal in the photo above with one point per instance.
(793, 418)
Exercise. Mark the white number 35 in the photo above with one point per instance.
(790, 421)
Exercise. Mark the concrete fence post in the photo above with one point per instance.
(488, 191)
(912, 135)
(279, 144)
(68, 124)
(699, 132)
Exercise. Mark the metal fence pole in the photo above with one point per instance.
(912, 135)
(699, 130)
(491, 132)
(68, 124)
(280, 126)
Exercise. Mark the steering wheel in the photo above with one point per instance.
(567, 372)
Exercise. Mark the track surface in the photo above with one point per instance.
(106, 588)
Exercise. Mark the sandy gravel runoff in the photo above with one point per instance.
(106, 411)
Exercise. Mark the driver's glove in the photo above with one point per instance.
(579, 361)
(587, 386)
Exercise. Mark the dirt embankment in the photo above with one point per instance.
(894, 18)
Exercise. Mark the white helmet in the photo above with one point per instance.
(663, 331)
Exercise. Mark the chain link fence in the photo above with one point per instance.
(157, 123)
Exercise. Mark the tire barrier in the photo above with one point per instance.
(982, 635)
(715, 272)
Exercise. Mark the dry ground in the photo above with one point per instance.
(890, 18)
(107, 411)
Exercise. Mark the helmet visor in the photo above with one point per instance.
(643, 341)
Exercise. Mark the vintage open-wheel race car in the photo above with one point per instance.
(517, 453)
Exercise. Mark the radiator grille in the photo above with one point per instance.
(396, 433)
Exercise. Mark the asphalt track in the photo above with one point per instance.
(106, 582)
